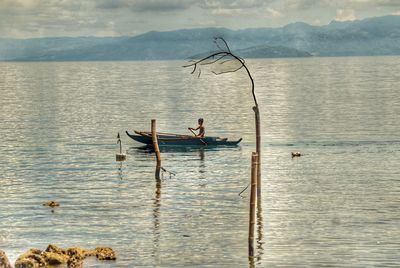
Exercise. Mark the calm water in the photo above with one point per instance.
(338, 205)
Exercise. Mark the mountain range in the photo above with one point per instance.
(368, 37)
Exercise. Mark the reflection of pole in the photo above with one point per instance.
(156, 215)
(155, 141)
(260, 249)
(253, 197)
(157, 174)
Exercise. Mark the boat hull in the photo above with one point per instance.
(180, 140)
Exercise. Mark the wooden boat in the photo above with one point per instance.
(167, 139)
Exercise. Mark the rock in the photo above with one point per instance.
(51, 204)
(4, 262)
(31, 259)
(75, 262)
(55, 258)
(55, 249)
(26, 263)
(105, 253)
(76, 252)
(90, 253)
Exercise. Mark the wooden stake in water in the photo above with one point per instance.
(155, 141)
(120, 157)
(253, 203)
(258, 149)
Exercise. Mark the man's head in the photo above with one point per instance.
(200, 121)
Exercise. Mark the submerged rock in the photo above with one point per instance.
(54, 256)
(4, 262)
(104, 253)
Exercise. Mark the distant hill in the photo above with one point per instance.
(271, 52)
(261, 52)
(372, 36)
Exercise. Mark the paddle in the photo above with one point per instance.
(205, 143)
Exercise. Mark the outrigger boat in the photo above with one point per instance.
(167, 139)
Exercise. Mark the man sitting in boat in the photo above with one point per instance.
(201, 128)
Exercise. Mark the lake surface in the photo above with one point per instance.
(337, 205)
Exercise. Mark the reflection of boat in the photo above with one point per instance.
(166, 139)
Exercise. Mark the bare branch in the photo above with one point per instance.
(194, 68)
(225, 72)
(214, 61)
(225, 61)
(225, 43)
(206, 58)
(218, 57)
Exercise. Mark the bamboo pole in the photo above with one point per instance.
(157, 173)
(258, 149)
(155, 141)
(253, 197)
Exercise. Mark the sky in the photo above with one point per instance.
(50, 18)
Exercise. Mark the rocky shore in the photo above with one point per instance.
(55, 256)
(4, 262)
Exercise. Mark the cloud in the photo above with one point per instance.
(345, 15)
(235, 4)
(273, 12)
(161, 5)
(114, 4)
(391, 3)
(146, 5)
(39, 18)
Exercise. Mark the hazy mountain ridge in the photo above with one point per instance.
(372, 36)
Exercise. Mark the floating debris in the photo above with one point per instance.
(52, 204)
(296, 154)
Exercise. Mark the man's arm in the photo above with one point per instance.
(194, 128)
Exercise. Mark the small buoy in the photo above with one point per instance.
(296, 154)
(120, 156)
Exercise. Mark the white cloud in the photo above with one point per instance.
(273, 12)
(345, 15)
(40, 18)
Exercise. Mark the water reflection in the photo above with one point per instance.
(346, 125)
(201, 154)
(252, 262)
(156, 216)
(120, 174)
(260, 230)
